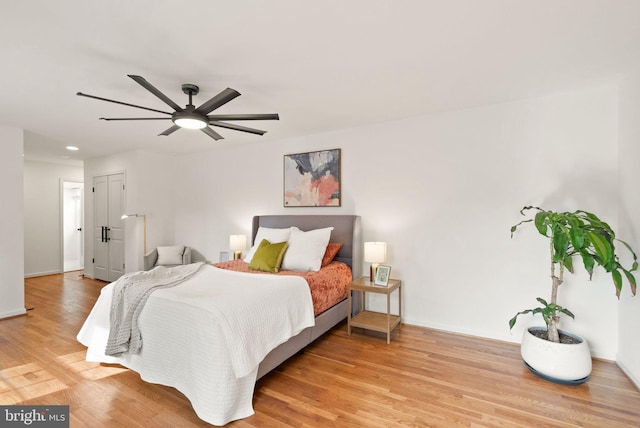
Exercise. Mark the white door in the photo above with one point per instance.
(108, 236)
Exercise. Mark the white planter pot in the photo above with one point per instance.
(559, 362)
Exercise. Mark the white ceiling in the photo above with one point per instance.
(322, 65)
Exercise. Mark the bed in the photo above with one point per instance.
(215, 362)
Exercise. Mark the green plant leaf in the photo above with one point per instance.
(567, 312)
(541, 222)
(576, 233)
(602, 247)
(591, 218)
(588, 261)
(631, 279)
(560, 245)
(513, 228)
(617, 280)
(568, 263)
(635, 257)
(513, 320)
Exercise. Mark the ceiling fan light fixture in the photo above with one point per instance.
(190, 122)
(191, 117)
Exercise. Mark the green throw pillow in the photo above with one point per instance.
(268, 257)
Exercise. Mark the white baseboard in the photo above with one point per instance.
(31, 275)
(13, 313)
(507, 338)
(627, 371)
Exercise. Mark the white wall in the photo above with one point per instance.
(442, 190)
(628, 357)
(157, 184)
(42, 211)
(11, 223)
(149, 189)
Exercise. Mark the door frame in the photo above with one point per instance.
(61, 217)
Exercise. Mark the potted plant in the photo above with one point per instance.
(570, 234)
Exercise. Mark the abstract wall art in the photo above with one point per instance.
(312, 179)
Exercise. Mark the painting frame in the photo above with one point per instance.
(312, 179)
(383, 273)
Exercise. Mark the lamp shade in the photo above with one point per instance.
(375, 252)
(238, 242)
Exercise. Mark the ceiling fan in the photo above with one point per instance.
(191, 117)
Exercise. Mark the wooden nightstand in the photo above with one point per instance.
(370, 320)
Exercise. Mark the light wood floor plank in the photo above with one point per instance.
(424, 378)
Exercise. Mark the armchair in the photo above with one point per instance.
(167, 256)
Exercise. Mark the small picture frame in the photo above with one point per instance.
(382, 276)
(224, 256)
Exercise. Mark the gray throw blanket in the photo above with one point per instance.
(130, 293)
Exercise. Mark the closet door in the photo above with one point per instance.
(108, 248)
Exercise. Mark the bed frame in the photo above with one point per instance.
(346, 230)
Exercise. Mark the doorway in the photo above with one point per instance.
(73, 226)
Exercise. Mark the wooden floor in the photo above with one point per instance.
(423, 378)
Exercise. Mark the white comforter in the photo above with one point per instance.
(207, 336)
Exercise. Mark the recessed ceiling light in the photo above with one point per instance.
(72, 148)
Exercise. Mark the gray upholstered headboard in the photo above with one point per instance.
(346, 229)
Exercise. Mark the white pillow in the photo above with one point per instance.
(170, 255)
(306, 249)
(272, 235)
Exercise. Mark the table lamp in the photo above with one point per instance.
(374, 253)
(237, 243)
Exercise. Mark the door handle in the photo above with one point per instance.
(103, 237)
(79, 229)
(107, 234)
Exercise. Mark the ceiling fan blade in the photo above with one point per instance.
(170, 131)
(266, 116)
(237, 127)
(219, 100)
(120, 102)
(134, 118)
(149, 87)
(213, 134)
